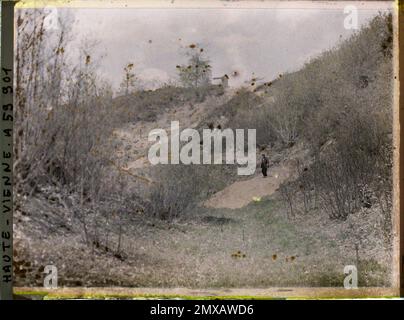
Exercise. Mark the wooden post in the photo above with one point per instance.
(6, 152)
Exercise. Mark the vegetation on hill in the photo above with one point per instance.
(70, 182)
(339, 105)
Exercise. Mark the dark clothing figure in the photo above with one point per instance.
(264, 165)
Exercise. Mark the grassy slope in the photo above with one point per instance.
(202, 252)
(209, 252)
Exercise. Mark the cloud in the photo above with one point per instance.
(264, 41)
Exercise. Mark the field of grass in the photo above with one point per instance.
(253, 247)
(256, 246)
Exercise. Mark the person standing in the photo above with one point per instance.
(264, 165)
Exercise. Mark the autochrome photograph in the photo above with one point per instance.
(222, 145)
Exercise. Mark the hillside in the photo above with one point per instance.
(89, 202)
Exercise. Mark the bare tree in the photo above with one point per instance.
(129, 80)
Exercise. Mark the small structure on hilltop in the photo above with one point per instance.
(224, 80)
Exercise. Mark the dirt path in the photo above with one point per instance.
(241, 193)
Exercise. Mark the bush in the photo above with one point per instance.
(340, 106)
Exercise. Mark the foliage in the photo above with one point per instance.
(197, 72)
